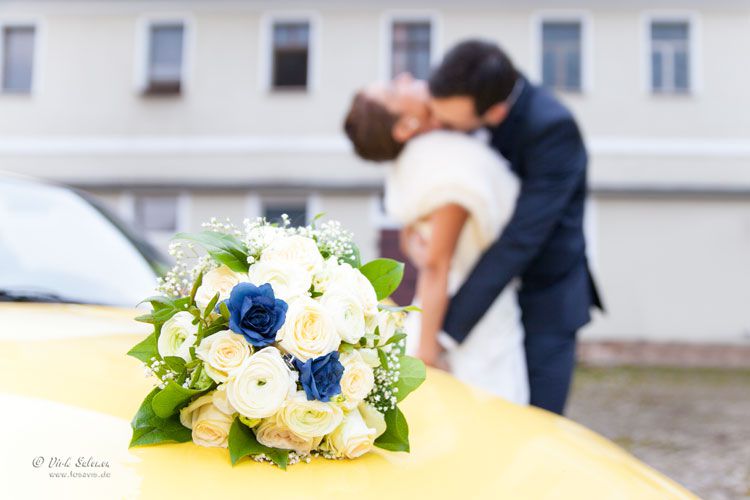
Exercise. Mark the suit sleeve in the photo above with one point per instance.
(555, 167)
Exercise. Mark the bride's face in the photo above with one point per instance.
(407, 98)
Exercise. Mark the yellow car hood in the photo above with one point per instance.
(68, 393)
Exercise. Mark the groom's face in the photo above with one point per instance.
(456, 113)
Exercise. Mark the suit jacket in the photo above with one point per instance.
(543, 243)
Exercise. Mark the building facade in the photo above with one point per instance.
(177, 111)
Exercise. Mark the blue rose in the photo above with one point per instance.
(255, 313)
(321, 377)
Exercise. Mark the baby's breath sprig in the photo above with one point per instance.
(383, 395)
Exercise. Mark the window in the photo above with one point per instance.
(670, 57)
(17, 58)
(156, 213)
(411, 48)
(291, 55)
(561, 55)
(165, 58)
(296, 210)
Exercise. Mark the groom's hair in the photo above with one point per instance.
(476, 69)
(369, 125)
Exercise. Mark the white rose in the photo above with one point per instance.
(358, 378)
(370, 356)
(373, 418)
(326, 275)
(309, 419)
(388, 325)
(259, 387)
(353, 438)
(177, 335)
(209, 423)
(297, 249)
(348, 278)
(288, 279)
(221, 280)
(309, 331)
(273, 433)
(221, 353)
(347, 314)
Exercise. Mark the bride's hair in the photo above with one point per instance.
(369, 125)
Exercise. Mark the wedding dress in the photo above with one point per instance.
(442, 167)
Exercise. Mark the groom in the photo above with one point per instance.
(477, 86)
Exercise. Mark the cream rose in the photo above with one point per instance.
(209, 423)
(294, 249)
(259, 387)
(220, 280)
(221, 353)
(388, 324)
(353, 438)
(358, 378)
(309, 419)
(309, 331)
(177, 335)
(370, 356)
(288, 279)
(347, 314)
(273, 433)
(373, 418)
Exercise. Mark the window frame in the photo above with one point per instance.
(390, 17)
(143, 52)
(692, 19)
(585, 20)
(183, 202)
(36, 55)
(266, 59)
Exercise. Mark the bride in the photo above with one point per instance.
(454, 195)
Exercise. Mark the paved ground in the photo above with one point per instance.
(691, 424)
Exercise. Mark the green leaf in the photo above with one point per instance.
(399, 309)
(145, 349)
(211, 304)
(196, 285)
(396, 338)
(166, 402)
(396, 435)
(385, 275)
(224, 311)
(175, 363)
(412, 374)
(242, 442)
(223, 248)
(149, 429)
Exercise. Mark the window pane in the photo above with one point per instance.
(669, 31)
(165, 58)
(18, 58)
(681, 74)
(656, 71)
(411, 48)
(156, 213)
(291, 43)
(297, 213)
(561, 55)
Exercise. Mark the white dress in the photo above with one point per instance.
(443, 167)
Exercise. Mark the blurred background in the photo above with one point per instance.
(170, 112)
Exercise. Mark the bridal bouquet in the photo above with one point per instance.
(274, 344)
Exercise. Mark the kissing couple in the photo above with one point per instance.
(487, 174)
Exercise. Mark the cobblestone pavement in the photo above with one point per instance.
(691, 424)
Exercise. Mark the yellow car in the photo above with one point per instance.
(68, 392)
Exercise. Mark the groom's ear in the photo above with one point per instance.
(496, 114)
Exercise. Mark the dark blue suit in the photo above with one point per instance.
(543, 244)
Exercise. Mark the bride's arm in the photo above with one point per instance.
(446, 223)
